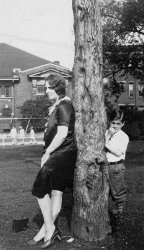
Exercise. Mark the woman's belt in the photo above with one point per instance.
(115, 162)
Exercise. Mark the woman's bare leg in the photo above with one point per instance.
(56, 202)
(46, 209)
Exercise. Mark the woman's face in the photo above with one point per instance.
(51, 92)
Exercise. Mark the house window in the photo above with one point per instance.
(2, 92)
(141, 89)
(40, 87)
(122, 85)
(34, 84)
(7, 91)
(131, 90)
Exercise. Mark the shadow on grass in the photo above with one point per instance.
(18, 168)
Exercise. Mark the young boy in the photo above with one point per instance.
(21, 134)
(116, 145)
(32, 135)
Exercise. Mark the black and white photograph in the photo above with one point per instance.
(72, 124)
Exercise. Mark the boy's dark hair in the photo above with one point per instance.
(117, 114)
(57, 83)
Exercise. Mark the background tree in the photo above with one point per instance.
(123, 53)
(37, 111)
(123, 28)
(123, 32)
(90, 213)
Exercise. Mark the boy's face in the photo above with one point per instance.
(116, 125)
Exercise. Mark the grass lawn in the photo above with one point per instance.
(18, 168)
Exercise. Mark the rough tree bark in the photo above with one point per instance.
(90, 212)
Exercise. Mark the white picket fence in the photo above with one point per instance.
(5, 139)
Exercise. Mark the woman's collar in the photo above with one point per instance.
(65, 98)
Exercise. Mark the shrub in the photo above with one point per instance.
(36, 111)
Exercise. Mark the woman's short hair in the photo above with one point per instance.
(57, 83)
(117, 114)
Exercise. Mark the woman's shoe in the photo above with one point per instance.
(34, 242)
(56, 235)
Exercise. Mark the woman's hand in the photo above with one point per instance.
(44, 159)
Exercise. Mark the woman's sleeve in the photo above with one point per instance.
(64, 113)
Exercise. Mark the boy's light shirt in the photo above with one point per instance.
(118, 140)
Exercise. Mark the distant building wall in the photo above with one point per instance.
(23, 92)
(132, 94)
(22, 86)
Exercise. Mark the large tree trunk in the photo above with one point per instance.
(90, 213)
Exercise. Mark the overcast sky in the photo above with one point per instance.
(41, 27)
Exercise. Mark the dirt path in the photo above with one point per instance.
(18, 168)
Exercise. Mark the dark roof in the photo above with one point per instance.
(11, 57)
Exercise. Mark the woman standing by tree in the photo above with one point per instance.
(58, 161)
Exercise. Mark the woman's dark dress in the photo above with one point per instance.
(58, 172)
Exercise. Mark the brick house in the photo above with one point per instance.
(22, 77)
(133, 91)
